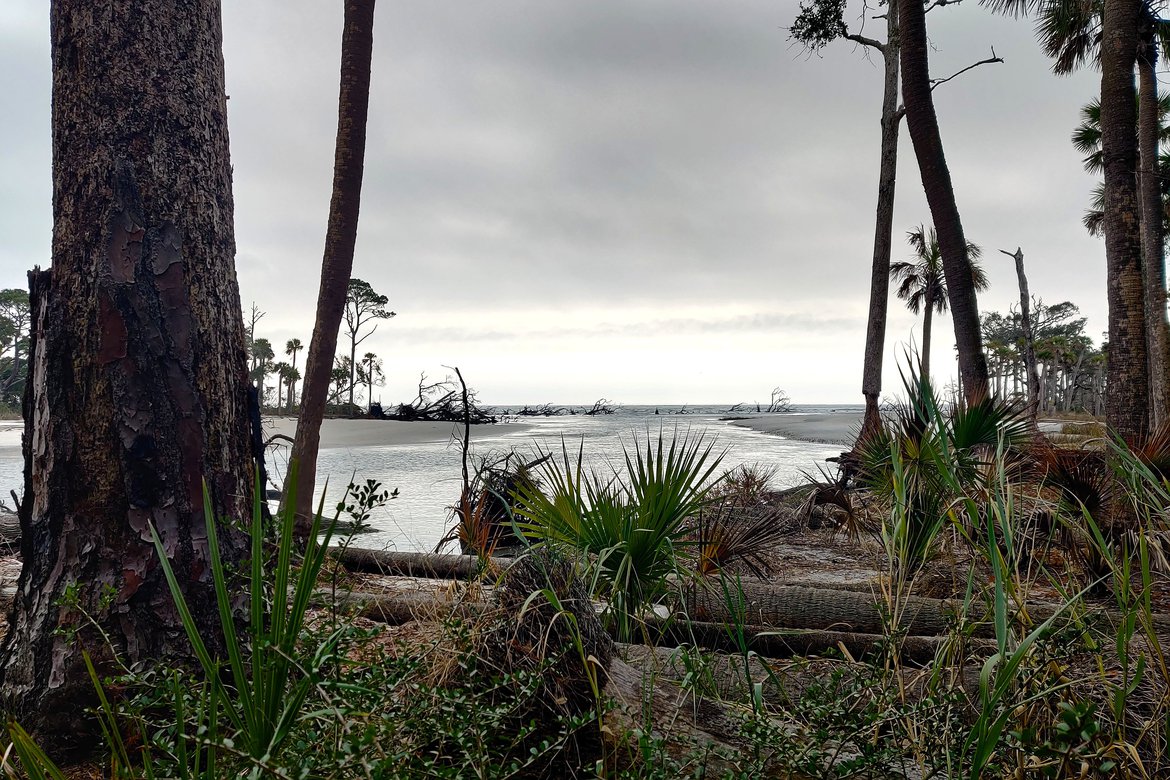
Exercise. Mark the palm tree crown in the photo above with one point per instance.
(921, 280)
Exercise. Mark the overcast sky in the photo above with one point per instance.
(654, 201)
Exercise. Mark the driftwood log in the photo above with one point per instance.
(412, 564)
(9, 528)
(831, 609)
(797, 606)
(816, 615)
(768, 641)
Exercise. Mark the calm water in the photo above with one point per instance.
(427, 475)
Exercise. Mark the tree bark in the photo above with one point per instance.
(357, 44)
(1153, 246)
(139, 387)
(1127, 400)
(879, 295)
(922, 123)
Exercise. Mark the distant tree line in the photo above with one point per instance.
(276, 381)
(1070, 367)
(14, 332)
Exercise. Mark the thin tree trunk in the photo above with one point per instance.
(1029, 341)
(922, 123)
(879, 295)
(1153, 248)
(927, 327)
(139, 389)
(357, 43)
(292, 385)
(1127, 400)
(352, 368)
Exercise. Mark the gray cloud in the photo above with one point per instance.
(530, 159)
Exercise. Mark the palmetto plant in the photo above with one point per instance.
(922, 285)
(630, 529)
(928, 458)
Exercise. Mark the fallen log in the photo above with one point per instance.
(414, 564)
(830, 609)
(768, 641)
(785, 642)
(825, 615)
(400, 608)
(796, 606)
(9, 528)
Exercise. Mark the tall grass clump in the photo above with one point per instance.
(301, 692)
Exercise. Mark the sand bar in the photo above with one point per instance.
(837, 428)
(343, 434)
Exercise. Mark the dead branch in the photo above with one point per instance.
(993, 58)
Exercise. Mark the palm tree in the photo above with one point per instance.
(292, 376)
(281, 371)
(1087, 140)
(372, 374)
(1127, 403)
(923, 285)
(922, 124)
(292, 347)
(357, 46)
(262, 355)
(1074, 32)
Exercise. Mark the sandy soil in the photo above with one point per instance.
(839, 428)
(343, 434)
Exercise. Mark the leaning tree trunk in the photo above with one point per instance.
(922, 123)
(879, 294)
(139, 387)
(1126, 404)
(357, 45)
(1153, 248)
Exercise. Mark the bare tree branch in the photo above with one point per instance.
(941, 3)
(874, 44)
(993, 58)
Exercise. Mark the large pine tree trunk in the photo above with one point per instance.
(139, 384)
(1153, 251)
(922, 123)
(1127, 400)
(879, 294)
(357, 46)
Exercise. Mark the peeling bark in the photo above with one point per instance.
(138, 380)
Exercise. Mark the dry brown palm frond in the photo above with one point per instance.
(483, 513)
(1081, 477)
(727, 532)
(1153, 450)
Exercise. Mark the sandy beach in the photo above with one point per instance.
(839, 428)
(344, 434)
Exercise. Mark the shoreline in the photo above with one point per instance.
(828, 428)
(339, 433)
